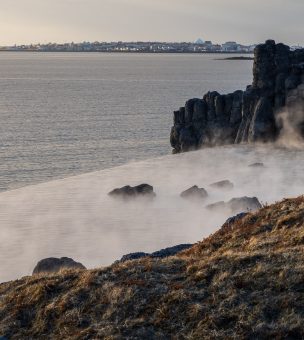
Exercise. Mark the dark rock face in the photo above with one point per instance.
(53, 265)
(247, 116)
(225, 184)
(236, 205)
(235, 218)
(171, 251)
(133, 256)
(194, 193)
(142, 190)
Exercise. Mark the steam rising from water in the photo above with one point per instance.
(75, 217)
(291, 123)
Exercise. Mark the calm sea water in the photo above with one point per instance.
(64, 114)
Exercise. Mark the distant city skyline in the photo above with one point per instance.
(36, 21)
(133, 47)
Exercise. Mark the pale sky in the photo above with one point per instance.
(246, 21)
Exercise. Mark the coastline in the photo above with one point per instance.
(134, 52)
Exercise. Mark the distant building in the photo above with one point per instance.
(230, 46)
(199, 46)
(199, 42)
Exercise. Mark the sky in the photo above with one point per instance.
(244, 21)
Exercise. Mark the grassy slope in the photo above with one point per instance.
(245, 281)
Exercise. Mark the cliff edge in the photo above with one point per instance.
(258, 114)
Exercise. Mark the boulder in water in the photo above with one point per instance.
(241, 204)
(142, 190)
(216, 206)
(195, 193)
(256, 165)
(226, 185)
(54, 265)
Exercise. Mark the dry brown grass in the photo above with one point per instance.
(244, 282)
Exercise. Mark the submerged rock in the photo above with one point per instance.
(216, 206)
(227, 185)
(53, 265)
(195, 193)
(142, 190)
(171, 251)
(256, 165)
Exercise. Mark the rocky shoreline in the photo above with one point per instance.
(258, 114)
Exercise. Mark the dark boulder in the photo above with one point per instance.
(241, 204)
(54, 265)
(225, 184)
(142, 190)
(171, 251)
(233, 219)
(195, 193)
(133, 256)
(163, 253)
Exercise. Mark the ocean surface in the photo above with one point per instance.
(64, 114)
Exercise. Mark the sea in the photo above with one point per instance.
(74, 126)
(63, 114)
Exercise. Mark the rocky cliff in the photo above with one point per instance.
(257, 114)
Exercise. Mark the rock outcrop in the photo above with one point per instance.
(225, 184)
(195, 193)
(160, 254)
(142, 190)
(236, 205)
(249, 116)
(54, 265)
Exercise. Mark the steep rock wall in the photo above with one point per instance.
(253, 115)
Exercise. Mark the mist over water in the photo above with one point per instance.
(75, 217)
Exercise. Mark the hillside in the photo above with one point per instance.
(245, 281)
